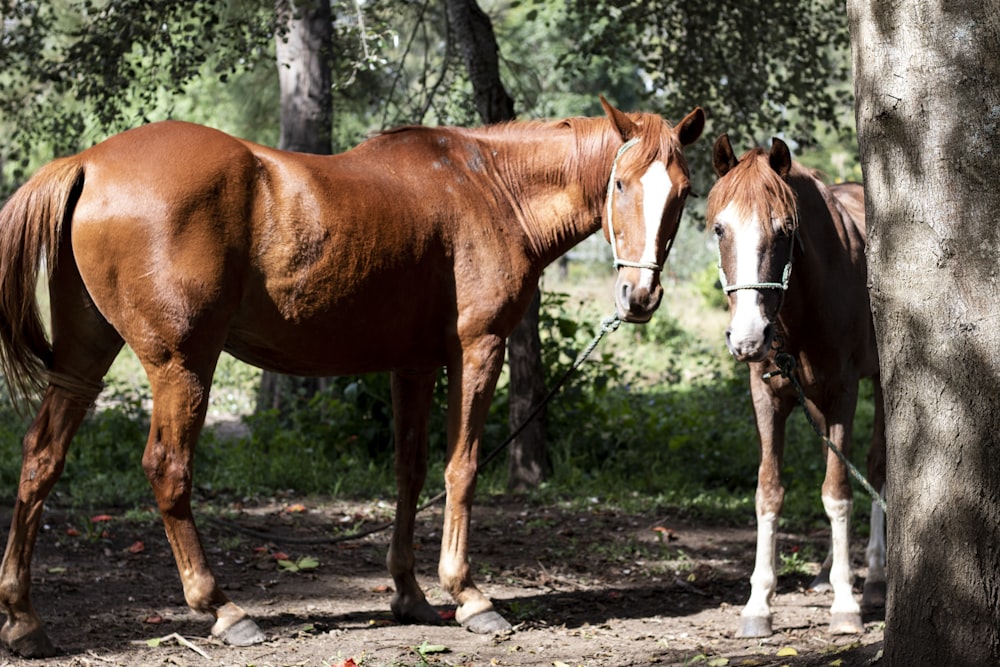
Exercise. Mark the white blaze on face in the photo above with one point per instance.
(747, 324)
(656, 186)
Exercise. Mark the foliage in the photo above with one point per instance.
(748, 63)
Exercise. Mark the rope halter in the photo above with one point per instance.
(618, 262)
(785, 274)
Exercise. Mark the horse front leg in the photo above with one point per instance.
(845, 612)
(770, 414)
(43, 456)
(470, 390)
(180, 401)
(412, 399)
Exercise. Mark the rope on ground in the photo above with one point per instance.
(608, 324)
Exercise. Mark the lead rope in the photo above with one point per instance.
(608, 324)
(786, 368)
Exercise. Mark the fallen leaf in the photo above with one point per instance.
(155, 619)
(786, 651)
(137, 547)
(429, 649)
(261, 550)
(296, 508)
(56, 570)
(101, 518)
(347, 663)
(280, 556)
(72, 532)
(665, 533)
(559, 663)
(718, 662)
(382, 589)
(307, 563)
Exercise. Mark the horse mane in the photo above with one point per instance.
(752, 186)
(596, 136)
(593, 136)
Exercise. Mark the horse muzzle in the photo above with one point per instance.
(636, 304)
(750, 346)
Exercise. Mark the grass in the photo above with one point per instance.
(659, 416)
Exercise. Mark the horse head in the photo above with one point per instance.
(646, 192)
(753, 212)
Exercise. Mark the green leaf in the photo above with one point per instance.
(429, 649)
(307, 563)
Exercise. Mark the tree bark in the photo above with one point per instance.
(304, 77)
(928, 112)
(527, 463)
(305, 81)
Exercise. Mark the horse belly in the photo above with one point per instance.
(341, 342)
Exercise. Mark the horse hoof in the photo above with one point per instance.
(846, 623)
(821, 584)
(243, 632)
(755, 626)
(420, 613)
(34, 644)
(487, 623)
(874, 595)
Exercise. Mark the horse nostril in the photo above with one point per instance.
(626, 292)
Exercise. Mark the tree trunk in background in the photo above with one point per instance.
(928, 111)
(527, 462)
(305, 82)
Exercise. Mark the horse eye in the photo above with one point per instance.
(718, 229)
(619, 186)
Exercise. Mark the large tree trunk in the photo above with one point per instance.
(527, 462)
(304, 78)
(928, 110)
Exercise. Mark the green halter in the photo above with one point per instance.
(783, 285)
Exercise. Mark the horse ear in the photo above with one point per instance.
(723, 158)
(689, 129)
(780, 158)
(625, 125)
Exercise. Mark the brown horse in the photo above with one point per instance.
(418, 249)
(767, 211)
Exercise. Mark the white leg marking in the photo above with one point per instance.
(763, 581)
(841, 577)
(875, 553)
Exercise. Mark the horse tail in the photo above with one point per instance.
(31, 225)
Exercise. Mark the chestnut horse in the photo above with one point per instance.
(767, 211)
(418, 249)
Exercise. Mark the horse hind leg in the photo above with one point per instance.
(84, 346)
(874, 593)
(180, 402)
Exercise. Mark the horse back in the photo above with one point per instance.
(851, 196)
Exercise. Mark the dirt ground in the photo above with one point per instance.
(582, 587)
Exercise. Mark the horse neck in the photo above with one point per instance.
(557, 184)
(830, 249)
